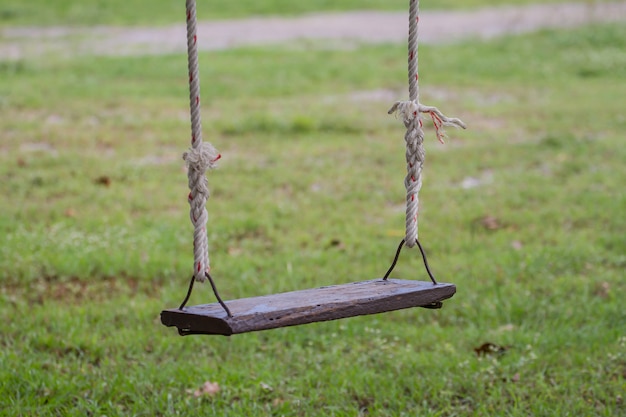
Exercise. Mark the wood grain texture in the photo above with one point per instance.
(307, 306)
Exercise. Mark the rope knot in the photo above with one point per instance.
(410, 110)
(200, 159)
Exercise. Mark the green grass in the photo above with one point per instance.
(85, 267)
(151, 12)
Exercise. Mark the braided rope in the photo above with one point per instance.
(410, 111)
(200, 157)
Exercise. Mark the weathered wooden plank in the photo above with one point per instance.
(307, 306)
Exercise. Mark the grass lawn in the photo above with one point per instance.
(158, 12)
(524, 212)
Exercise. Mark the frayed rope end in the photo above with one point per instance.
(409, 110)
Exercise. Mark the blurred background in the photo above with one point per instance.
(523, 211)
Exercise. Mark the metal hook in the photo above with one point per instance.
(217, 295)
(188, 293)
(395, 260)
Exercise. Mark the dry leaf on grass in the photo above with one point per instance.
(602, 290)
(265, 387)
(490, 223)
(336, 243)
(207, 389)
(489, 348)
(278, 402)
(487, 222)
(103, 180)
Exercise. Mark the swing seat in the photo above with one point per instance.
(307, 306)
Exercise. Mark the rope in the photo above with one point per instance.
(410, 112)
(200, 157)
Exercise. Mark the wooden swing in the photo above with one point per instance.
(318, 304)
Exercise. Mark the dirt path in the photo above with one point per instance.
(362, 27)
